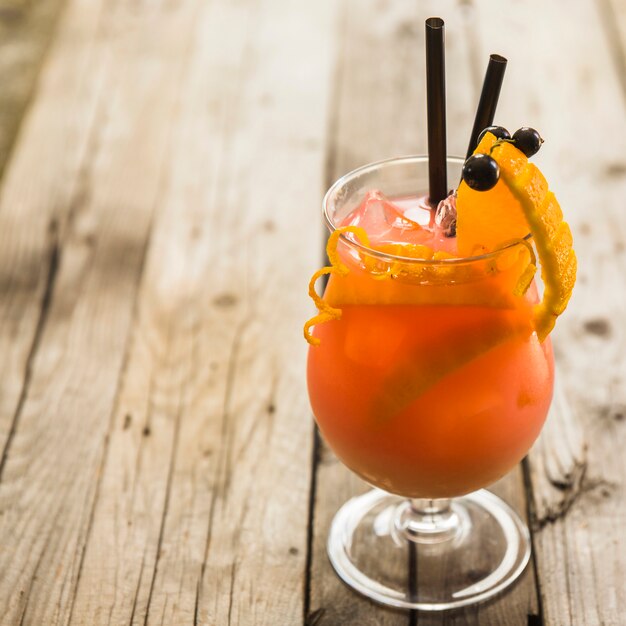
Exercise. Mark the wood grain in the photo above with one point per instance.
(613, 17)
(380, 112)
(159, 219)
(202, 514)
(26, 29)
(571, 93)
(32, 216)
(558, 463)
(107, 125)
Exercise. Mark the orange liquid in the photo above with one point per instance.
(434, 391)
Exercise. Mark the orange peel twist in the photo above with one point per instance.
(326, 312)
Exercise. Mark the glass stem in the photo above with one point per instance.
(426, 520)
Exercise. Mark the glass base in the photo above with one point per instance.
(430, 555)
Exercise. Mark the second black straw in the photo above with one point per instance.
(488, 99)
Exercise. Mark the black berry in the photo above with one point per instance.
(527, 140)
(481, 172)
(499, 131)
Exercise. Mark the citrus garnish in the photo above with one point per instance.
(392, 280)
(526, 277)
(485, 219)
(520, 202)
(326, 312)
(472, 337)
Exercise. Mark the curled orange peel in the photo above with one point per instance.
(326, 312)
(552, 235)
(526, 278)
(530, 206)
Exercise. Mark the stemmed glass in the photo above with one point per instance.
(430, 387)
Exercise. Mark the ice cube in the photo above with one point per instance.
(415, 209)
(445, 216)
(385, 221)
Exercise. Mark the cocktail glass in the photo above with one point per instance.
(430, 387)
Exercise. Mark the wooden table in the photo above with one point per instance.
(164, 163)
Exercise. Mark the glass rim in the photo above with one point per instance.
(386, 256)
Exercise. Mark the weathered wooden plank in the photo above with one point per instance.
(32, 215)
(202, 513)
(569, 91)
(26, 29)
(613, 17)
(557, 471)
(116, 119)
(380, 112)
(255, 552)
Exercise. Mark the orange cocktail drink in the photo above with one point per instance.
(431, 384)
(430, 370)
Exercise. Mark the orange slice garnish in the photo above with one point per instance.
(435, 359)
(494, 283)
(521, 202)
(486, 219)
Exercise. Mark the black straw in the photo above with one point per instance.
(436, 103)
(488, 99)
